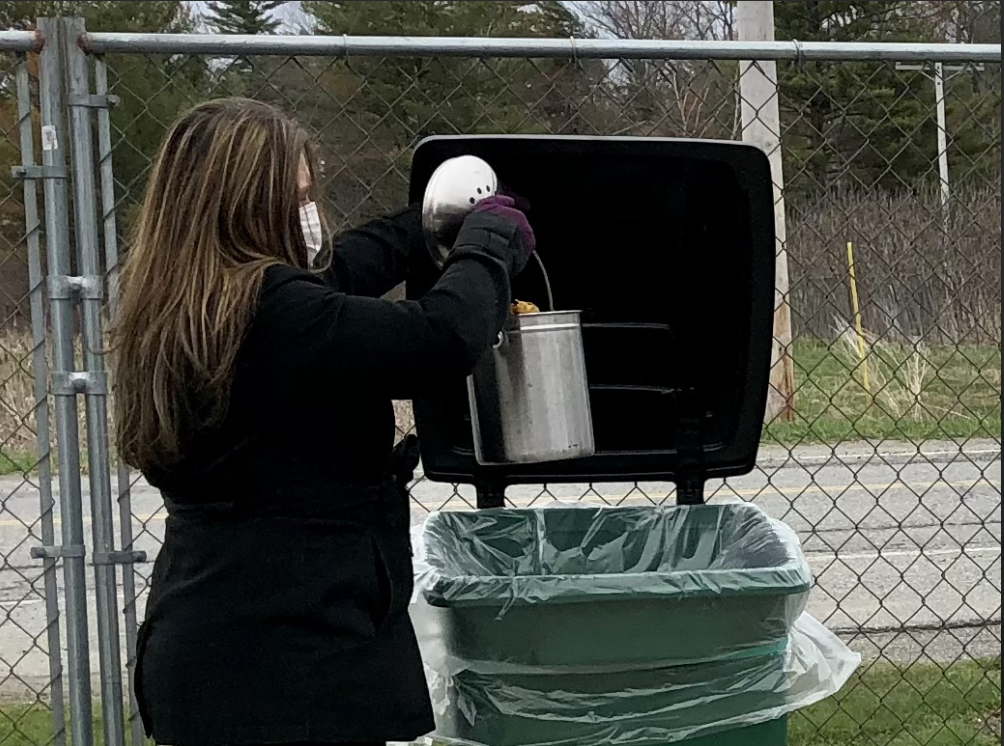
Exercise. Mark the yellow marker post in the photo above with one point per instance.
(856, 311)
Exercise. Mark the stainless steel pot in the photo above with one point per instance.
(529, 395)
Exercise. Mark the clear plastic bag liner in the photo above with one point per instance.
(582, 625)
(570, 553)
(594, 587)
(652, 707)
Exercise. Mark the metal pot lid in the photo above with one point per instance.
(453, 190)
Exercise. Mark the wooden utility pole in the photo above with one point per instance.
(761, 120)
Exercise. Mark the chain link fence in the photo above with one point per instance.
(885, 455)
(30, 659)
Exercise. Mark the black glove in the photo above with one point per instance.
(506, 207)
(500, 233)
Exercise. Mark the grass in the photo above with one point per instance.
(917, 393)
(924, 705)
(17, 462)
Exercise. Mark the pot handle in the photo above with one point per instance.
(547, 281)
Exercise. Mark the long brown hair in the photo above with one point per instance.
(220, 208)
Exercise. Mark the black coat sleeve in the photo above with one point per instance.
(307, 333)
(372, 260)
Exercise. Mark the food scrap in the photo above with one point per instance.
(522, 307)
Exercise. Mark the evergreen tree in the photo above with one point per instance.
(245, 76)
(153, 90)
(250, 17)
(853, 123)
(373, 110)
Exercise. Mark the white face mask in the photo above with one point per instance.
(310, 224)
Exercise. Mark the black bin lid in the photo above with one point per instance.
(667, 246)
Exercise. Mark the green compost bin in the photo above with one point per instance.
(574, 625)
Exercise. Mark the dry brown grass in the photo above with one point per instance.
(18, 408)
(404, 417)
(897, 375)
(914, 279)
(17, 399)
(920, 391)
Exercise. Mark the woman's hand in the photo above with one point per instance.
(505, 207)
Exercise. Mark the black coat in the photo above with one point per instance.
(278, 604)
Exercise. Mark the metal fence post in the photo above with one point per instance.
(64, 377)
(39, 366)
(105, 558)
(109, 233)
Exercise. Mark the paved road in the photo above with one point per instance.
(893, 541)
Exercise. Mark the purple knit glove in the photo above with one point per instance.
(505, 207)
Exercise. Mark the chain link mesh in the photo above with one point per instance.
(29, 626)
(886, 462)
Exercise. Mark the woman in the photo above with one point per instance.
(256, 395)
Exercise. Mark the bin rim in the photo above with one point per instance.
(450, 592)
(792, 577)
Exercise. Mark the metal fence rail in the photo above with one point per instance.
(500, 48)
(885, 453)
